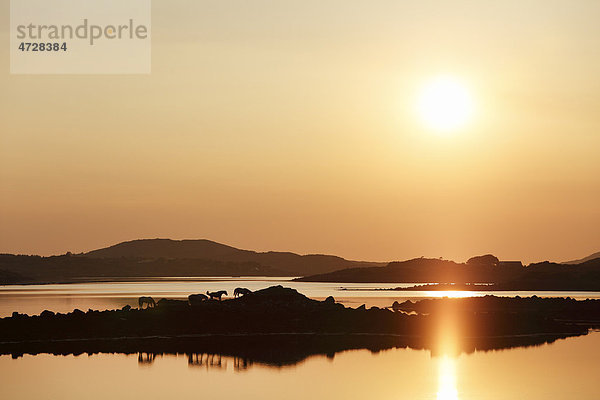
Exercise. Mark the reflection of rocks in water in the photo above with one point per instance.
(280, 351)
(471, 345)
(146, 358)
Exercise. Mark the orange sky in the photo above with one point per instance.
(292, 126)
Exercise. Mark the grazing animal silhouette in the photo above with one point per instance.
(240, 363)
(196, 359)
(149, 301)
(217, 295)
(214, 361)
(196, 298)
(146, 358)
(241, 291)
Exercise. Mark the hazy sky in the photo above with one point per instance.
(276, 125)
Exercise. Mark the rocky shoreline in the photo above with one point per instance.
(284, 319)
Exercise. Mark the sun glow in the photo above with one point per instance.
(445, 105)
(454, 294)
(447, 379)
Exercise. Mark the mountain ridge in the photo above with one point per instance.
(152, 258)
(205, 249)
(506, 275)
(584, 259)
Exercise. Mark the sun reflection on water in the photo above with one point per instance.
(448, 345)
(447, 379)
(451, 293)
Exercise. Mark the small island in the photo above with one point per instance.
(254, 322)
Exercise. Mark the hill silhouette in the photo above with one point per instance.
(291, 263)
(68, 268)
(164, 257)
(582, 260)
(423, 270)
(168, 248)
(478, 270)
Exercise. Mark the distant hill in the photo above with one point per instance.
(290, 263)
(552, 276)
(8, 277)
(177, 258)
(70, 268)
(582, 260)
(167, 248)
(165, 257)
(484, 270)
(422, 270)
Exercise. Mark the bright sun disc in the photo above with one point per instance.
(445, 105)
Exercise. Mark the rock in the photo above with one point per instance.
(330, 300)
(196, 299)
(47, 313)
(487, 260)
(277, 295)
(126, 308)
(362, 308)
(171, 303)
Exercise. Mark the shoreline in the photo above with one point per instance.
(424, 287)
(463, 288)
(279, 311)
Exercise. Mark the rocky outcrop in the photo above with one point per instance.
(284, 311)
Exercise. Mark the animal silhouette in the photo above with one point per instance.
(196, 298)
(241, 363)
(146, 358)
(196, 359)
(241, 291)
(149, 301)
(217, 295)
(215, 361)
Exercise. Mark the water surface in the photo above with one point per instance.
(565, 369)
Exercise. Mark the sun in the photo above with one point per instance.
(445, 105)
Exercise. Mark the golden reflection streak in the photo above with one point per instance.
(450, 293)
(447, 379)
(448, 330)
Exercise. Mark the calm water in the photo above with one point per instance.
(33, 299)
(566, 369)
